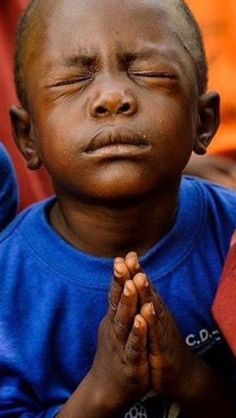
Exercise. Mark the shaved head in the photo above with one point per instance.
(33, 25)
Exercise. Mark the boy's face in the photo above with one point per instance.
(113, 98)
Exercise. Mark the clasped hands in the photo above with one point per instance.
(139, 344)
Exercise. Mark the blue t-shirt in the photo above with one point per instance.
(8, 189)
(53, 298)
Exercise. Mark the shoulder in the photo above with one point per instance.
(25, 224)
(215, 198)
(8, 189)
(5, 159)
(211, 209)
(7, 170)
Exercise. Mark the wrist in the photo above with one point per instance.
(90, 401)
(106, 402)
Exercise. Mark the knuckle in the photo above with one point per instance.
(114, 296)
(124, 301)
(119, 328)
(133, 352)
(112, 302)
(115, 290)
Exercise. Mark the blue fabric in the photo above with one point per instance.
(53, 298)
(8, 189)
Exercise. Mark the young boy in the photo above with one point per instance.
(8, 189)
(113, 102)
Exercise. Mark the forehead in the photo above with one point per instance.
(104, 30)
(90, 24)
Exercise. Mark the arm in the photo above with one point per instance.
(119, 375)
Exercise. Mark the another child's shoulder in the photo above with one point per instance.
(25, 224)
(5, 160)
(8, 189)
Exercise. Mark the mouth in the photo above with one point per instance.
(117, 143)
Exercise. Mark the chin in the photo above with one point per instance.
(111, 187)
(121, 193)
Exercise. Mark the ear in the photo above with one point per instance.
(24, 136)
(208, 121)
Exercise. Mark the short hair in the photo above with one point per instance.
(194, 46)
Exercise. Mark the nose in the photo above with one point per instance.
(113, 101)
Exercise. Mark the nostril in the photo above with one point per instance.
(100, 110)
(124, 108)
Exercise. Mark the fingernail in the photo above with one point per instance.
(117, 274)
(142, 280)
(128, 289)
(134, 257)
(137, 323)
(118, 269)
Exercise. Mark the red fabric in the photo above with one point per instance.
(224, 307)
(33, 185)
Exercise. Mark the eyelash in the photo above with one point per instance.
(88, 78)
(154, 75)
(73, 81)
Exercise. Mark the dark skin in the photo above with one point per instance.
(132, 92)
(119, 81)
(216, 168)
(140, 346)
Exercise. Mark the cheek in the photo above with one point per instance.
(173, 129)
(172, 122)
(54, 138)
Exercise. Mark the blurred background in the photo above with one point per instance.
(36, 185)
(217, 19)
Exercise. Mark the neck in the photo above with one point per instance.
(106, 231)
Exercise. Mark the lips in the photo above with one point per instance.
(117, 138)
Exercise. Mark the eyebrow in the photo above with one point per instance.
(142, 54)
(89, 60)
(148, 53)
(84, 60)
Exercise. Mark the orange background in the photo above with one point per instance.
(218, 19)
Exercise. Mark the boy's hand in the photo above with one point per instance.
(120, 366)
(169, 359)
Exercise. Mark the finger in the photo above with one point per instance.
(114, 296)
(158, 326)
(121, 271)
(126, 311)
(132, 263)
(136, 346)
(121, 274)
(143, 285)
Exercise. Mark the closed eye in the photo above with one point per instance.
(77, 80)
(154, 74)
